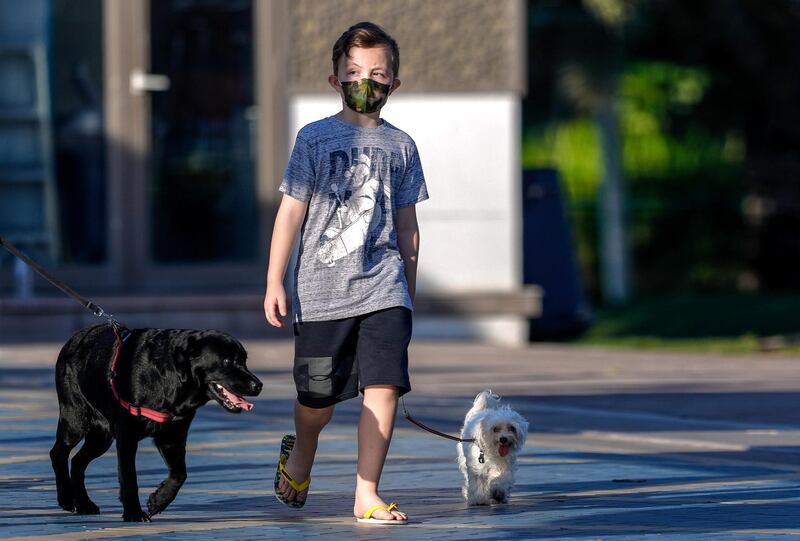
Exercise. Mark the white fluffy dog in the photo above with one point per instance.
(489, 463)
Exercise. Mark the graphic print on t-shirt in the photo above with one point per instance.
(358, 211)
(349, 261)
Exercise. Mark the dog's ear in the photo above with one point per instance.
(484, 434)
(190, 351)
(522, 428)
(189, 346)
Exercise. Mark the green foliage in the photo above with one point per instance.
(662, 138)
(573, 148)
(682, 180)
(659, 139)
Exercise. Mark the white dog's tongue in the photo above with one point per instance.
(239, 401)
(503, 450)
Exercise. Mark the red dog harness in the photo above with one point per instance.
(136, 411)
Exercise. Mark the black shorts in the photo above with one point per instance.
(334, 360)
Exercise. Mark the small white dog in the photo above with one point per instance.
(489, 463)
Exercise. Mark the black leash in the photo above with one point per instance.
(89, 305)
(431, 430)
(440, 434)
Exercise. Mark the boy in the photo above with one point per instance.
(350, 189)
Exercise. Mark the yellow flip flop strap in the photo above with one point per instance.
(374, 508)
(298, 487)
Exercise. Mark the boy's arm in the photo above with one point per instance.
(291, 214)
(408, 243)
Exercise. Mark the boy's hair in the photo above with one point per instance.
(365, 35)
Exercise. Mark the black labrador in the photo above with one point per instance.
(171, 371)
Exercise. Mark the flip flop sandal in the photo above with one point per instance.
(367, 517)
(287, 444)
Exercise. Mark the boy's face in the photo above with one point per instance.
(373, 63)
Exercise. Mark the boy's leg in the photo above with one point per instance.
(324, 374)
(308, 423)
(383, 374)
(374, 436)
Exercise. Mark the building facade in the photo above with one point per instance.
(143, 144)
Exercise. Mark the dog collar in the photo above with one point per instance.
(133, 409)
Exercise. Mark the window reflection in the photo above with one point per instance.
(77, 72)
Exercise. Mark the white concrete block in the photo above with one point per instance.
(471, 234)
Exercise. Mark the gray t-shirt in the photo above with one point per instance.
(354, 180)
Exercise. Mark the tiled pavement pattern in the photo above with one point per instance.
(622, 446)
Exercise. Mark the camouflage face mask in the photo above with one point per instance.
(365, 96)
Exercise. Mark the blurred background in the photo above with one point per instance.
(688, 110)
(620, 172)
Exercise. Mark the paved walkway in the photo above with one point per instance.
(622, 446)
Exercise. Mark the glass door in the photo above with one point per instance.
(202, 197)
(183, 117)
(190, 215)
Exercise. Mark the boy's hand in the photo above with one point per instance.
(275, 304)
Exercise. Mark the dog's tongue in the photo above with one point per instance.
(503, 450)
(237, 400)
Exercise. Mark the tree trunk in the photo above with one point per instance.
(614, 265)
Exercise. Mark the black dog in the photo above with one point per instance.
(171, 371)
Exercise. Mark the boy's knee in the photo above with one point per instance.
(322, 418)
(319, 417)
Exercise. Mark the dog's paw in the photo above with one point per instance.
(66, 500)
(154, 505)
(135, 516)
(67, 503)
(477, 500)
(87, 507)
(499, 496)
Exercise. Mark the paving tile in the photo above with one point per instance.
(594, 468)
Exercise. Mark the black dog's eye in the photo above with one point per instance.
(226, 362)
